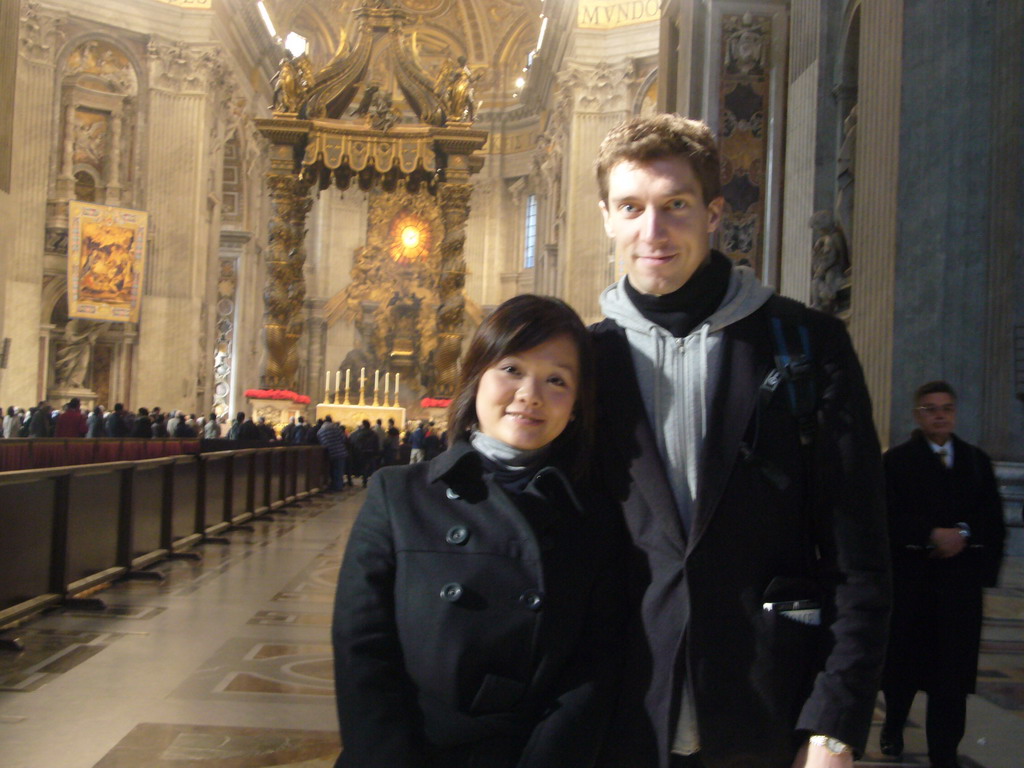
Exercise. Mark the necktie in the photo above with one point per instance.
(943, 455)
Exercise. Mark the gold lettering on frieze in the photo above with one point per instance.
(609, 14)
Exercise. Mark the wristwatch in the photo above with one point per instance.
(964, 530)
(835, 746)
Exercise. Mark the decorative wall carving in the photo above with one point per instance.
(743, 138)
(180, 67)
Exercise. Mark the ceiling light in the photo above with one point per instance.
(266, 19)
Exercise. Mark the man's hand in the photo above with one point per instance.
(948, 542)
(813, 756)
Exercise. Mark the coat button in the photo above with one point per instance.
(458, 535)
(532, 599)
(451, 592)
(452, 494)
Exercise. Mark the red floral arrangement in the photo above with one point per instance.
(435, 402)
(277, 394)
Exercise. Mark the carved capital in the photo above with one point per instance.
(602, 87)
(184, 68)
(41, 33)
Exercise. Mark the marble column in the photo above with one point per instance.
(875, 223)
(286, 288)
(40, 35)
(453, 197)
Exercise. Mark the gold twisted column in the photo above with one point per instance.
(454, 203)
(286, 288)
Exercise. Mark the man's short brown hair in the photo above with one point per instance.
(642, 139)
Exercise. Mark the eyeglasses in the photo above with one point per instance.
(933, 409)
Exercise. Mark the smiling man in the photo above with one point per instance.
(739, 440)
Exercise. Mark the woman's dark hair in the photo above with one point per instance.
(519, 324)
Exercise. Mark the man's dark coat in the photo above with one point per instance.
(466, 635)
(765, 505)
(937, 610)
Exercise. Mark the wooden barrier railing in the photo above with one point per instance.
(64, 530)
(39, 452)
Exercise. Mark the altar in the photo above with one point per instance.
(352, 415)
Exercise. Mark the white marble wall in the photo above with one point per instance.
(40, 37)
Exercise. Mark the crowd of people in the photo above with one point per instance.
(43, 420)
(356, 453)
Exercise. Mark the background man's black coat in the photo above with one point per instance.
(940, 599)
(761, 681)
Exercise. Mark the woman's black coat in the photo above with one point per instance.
(464, 635)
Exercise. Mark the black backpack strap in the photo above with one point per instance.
(794, 367)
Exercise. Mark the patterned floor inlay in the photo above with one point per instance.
(159, 745)
(282, 619)
(317, 583)
(256, 670)
(48, 653)
(121, 612)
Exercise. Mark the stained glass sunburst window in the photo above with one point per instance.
(409, 239)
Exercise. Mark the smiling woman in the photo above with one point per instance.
(477, 619)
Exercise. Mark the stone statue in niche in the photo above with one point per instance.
(845, 172)
(830, 265)
(74, 352)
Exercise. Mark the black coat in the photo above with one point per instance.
(760, 681)
(937, 610)
(474, 630)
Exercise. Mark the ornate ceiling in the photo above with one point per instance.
(495, 36)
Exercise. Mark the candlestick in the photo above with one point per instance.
(337, 386)
(347, 372)
(327, 388)
(387, 387)
(376, 382)
(362, 386)
(395, 403)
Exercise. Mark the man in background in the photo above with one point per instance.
(946, 528)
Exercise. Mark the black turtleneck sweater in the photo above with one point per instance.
(684, 309)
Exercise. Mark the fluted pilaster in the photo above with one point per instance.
(802, 116)
(1002, 418)
(875, 201)
(598, 97)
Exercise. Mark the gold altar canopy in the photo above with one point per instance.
(343, 126)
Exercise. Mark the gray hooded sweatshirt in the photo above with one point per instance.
(677, 379)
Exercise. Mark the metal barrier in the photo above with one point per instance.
(65, 530)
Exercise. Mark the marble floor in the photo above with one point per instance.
(225, 663)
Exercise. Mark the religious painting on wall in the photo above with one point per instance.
(106, 256)
(744, 118)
